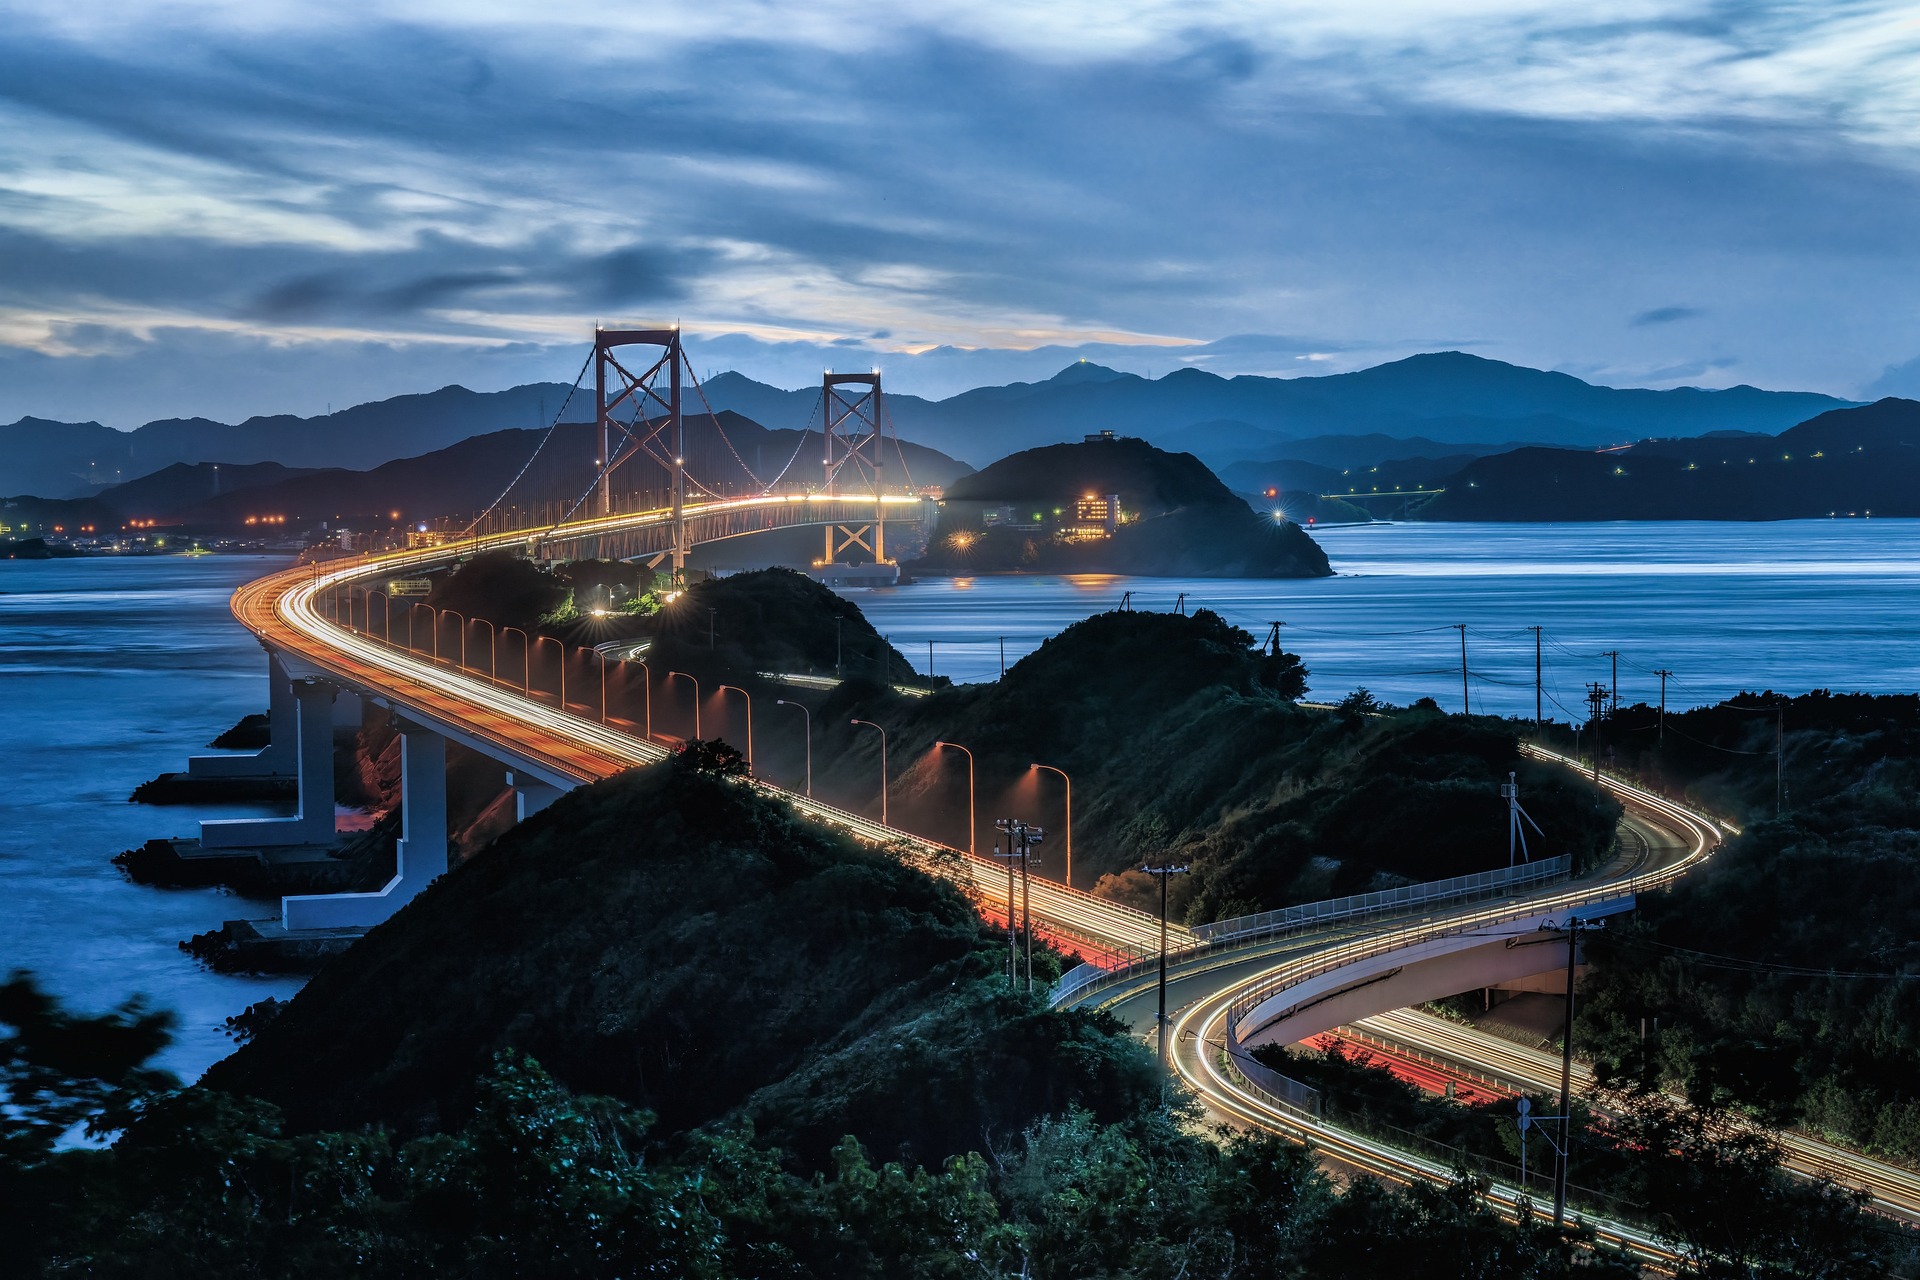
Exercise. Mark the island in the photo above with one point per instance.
(1111, 504)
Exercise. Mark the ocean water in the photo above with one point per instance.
(113, 670)
(1789, 606)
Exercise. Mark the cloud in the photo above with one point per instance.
(1897, 380)
(985, 200)
(1665, 315)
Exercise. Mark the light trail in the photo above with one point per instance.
(285, 610)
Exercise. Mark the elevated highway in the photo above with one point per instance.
(1227, 996)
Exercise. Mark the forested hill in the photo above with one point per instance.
(1847, 462)
(1020, 515)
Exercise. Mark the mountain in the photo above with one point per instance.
(1448, 397)
(467, 476)
(69, 459)
(1855, 461)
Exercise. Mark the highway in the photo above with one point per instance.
(1666, 840)
(286, 610)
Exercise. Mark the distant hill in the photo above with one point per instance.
(461, 478)
(1175, 517)
(1855, 461)
(1446, 397)
(67, 459)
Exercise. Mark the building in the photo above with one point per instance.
(1094, 516)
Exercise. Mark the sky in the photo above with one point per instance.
(237, 208)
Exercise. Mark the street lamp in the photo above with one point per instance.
(526, 657)
(883, 766)
(1069, 781)
(460, 662)
(696, 698)
(540, 640)
(957, 747)
(749, 697)
(646, 683)
(782, 702)
(1164, 874)
(493, 647)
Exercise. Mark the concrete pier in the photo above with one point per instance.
(530, 795)
(312, 751)
(419, 859)
(276, 759)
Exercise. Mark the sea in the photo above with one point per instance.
(113, 670)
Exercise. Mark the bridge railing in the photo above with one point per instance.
(1479, 884)
(1225, 936)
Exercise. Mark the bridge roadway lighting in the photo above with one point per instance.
(646, 683)
(1069, 781)
(526, 660)
(957, 747)
(749, 697)
(493, 647)
(696, 699)
(563, 665)
(1163, 873)
(782, 702)
(883, 766)
(461, 662)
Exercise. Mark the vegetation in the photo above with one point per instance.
(1783, 977)
(656, 1031)
(1713, 1188)
(1186, 741)
(1175, 518)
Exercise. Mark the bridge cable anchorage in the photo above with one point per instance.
(528, 465)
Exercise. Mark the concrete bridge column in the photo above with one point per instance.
(313, 758)
(530, 795)
(420, 857)
(276, 759)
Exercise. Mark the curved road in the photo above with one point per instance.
(1665, 840)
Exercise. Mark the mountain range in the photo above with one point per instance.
(1444, 403)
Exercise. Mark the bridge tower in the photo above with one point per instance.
(640, 395)
(855, 428)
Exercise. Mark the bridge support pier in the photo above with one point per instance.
(530, 795)
(420, 857)
(312, 751)
(276, 759)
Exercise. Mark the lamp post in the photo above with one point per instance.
(435, 629)
(696, 698)
(782, 702)
(1163, 874)
(883, 766)
(526, 660)
(603, 684)
(460, 662)
(493, 647)
(749, 697)
(563, 666)
(957, 747)
(1069, 781)
(646, 683)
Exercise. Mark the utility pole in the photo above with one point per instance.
(1615, 655)
(1466, 707)
(1020, 841)
(1003, 657)
(1596, 706)
(1539, 682)
(1663, 673)
(929, 662)
(711, 611)
(837, 620)
(1516, 834)
(1779, 758)
(1273, 639)
(1572, 929)
(1164, 873)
